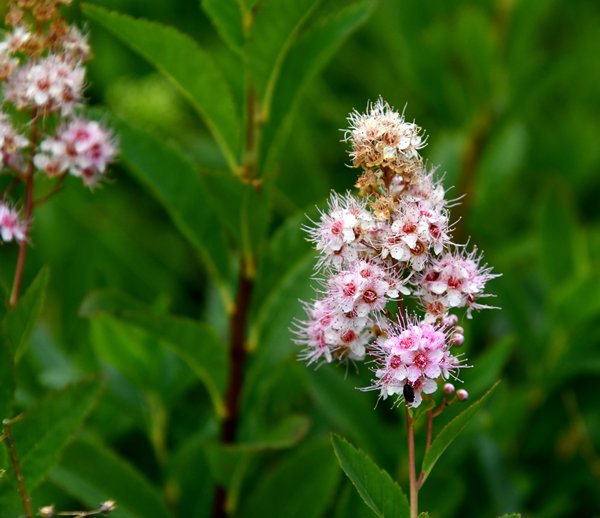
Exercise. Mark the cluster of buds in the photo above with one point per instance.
(42, 75)
(391, 241)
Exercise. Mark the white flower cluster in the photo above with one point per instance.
(391, 242)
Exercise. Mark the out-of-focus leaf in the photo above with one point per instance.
(306, 58)
(226, 16)
(489, 365)
(40, 435)
(92, 473)
(195, 342)
(450, 432)
(181, 190)
(271, 34)
(301, 486)
(192, 71)
(284, 435)
(19, 321)
(560, 249)
(348, 410)
(7, 378)
(375, 486)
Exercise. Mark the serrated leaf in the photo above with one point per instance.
(272, 32)
(306, 58)
(226, 16)
(450, 432)
(194, 342)
(383, 496)
(20, 320)
(303, 485)
(40, 435)
(92, 473)
(184, 63)
(181, 190)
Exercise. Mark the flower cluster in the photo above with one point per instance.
(391, 241)
(42, 70)
(12, 227)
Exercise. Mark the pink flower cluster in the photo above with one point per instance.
(12, 228)
(83, 148)
(413, 353)
(392, 241)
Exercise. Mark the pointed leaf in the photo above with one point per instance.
(190, 69)
(375, 486)
(194, 342)
(92, 473)
(272, 32)
(40, 435)
(7, 379)
(226, 16)
(306, 58)
(303, 485)
(20, 320)
(181, 191)
(450, 432)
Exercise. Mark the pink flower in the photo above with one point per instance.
(341, 232)
(454, 280)
(84, 148)
(11, 226)
(413, 353)
(11, 142)
(50, 84)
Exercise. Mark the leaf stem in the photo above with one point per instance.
(412, 473)
(14, 459)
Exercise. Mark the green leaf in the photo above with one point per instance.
(283, 435)
(489, 365)
(190, 69)
(7, 378)
(560, 251)
(182, 192)
(303, 485)
(194, 342)
(306, 58)
(92, 473)
(40, 435)
(375, 486)
(20, 320)
(272, 32)
(226, 16)
(511, 515)
(450, 432)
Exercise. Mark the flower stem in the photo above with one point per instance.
(12, 452)
(16, 288)
(412, 473)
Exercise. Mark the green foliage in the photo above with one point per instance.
(41, 433)
(508, 94)
(449, 433)
(376, 488)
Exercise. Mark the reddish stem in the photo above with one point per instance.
(16, 288)
(14, 459)
(412, 473)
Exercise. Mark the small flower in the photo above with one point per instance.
(454, 280)
(11, 142)
(11, 226)
(414, 353)
(76, 46)
(340, 234)
(84, 148)
(49, 84)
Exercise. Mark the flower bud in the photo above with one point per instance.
(449, 389)
(462, 394)
(108, 507)
(457, 339)
(459, 330)
(451, 320)
(47, 511)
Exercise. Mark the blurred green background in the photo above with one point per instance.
(508, 92)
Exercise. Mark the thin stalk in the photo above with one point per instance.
(14, 459)
(57, 187)
(20, 268)
(412, 473)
